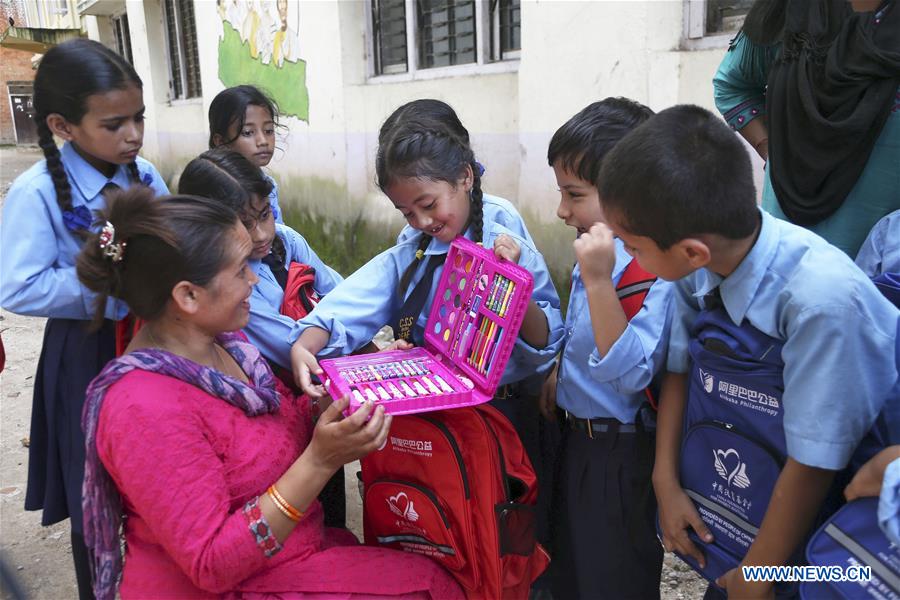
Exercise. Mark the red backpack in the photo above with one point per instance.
(633, 287)
(456, 485)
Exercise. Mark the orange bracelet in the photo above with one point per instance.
(283, 505)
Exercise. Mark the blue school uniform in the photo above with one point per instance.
(604, 536)
(268, 329)
(889, 502)
(838, 333)
(273, 200)
(37, 278)
(364, 302)
(880, 253)
(589, 386)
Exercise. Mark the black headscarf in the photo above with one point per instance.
(828, 97)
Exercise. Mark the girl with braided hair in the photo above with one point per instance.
(91, 98)
(426, 167)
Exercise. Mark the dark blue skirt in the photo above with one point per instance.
(70, 358)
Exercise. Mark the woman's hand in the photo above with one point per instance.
(506, 247)
(304, 365)
(337, 441)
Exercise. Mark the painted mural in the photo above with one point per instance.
(259, 45)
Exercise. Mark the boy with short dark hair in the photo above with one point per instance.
(604, 538)
(678, 191)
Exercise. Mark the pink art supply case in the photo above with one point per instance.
(473, 325)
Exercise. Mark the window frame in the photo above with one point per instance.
(485, 63)
(115, 21)
(182, 55)
(693, 34)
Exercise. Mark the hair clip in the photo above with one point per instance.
(115, 251)
(420, 254)
(480, 168)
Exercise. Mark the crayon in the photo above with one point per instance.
(434, 389)
(443, 384)
(358, 397)
(418, 386)
(395, 391)
(409, 391)
(371, 395)
(383, 393)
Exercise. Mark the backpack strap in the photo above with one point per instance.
(632, 289)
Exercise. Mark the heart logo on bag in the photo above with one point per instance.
(736, 476)
(402, 506)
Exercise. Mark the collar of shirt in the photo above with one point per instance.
(86, 178)
(740, 287)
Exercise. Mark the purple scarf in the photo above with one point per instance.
(101, 502)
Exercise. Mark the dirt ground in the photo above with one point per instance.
(40, 556)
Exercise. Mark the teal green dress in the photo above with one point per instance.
(740, 86)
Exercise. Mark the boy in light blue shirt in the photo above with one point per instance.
(605, 542)
(679, 192)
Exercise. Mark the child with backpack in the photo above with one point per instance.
(242, 118)
(292, 277)
(92, 99)
(227, 176)
(605, 542)
(426, 167)
(781, 351)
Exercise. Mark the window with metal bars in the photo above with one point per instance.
(123, 37)
(446, 32)
(184, 63)
(389, 28)
(506, 28)
(726, 16)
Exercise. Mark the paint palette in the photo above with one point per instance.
(475, 317)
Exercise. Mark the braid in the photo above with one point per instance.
(424, 240)
(133, 174)
(54, 164)
(476, 216)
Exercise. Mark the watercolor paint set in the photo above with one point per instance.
(475, 317)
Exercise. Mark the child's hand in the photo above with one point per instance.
(397, 345)
(547, 399)
(304, 365)
(595, 251)
(676, 514)
(337, 441)
(508, 248)
(736, 586)
(868, 480)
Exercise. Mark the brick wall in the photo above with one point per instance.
(15, 66)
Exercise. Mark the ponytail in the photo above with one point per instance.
(160, 242)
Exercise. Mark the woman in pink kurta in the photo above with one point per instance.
(187, 431)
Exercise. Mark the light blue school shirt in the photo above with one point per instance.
(268, 329)
(355, 310)
(889, 503)
(37, 264)
(273, 200)
(880, 253)
(837, 328)
(589, 386)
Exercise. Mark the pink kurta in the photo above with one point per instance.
(186, 463)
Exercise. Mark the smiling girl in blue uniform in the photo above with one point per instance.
(426, 167)
(90, 97)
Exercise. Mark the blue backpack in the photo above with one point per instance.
(852, 537)
(733, 444)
